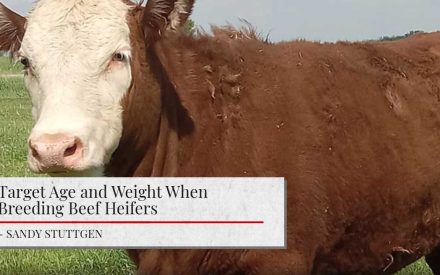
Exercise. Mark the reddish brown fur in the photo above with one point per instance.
(353, 127)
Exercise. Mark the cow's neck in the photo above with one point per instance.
(141, 119)
(162, 138)
(153, 121)
(175, 122)
(186, 105)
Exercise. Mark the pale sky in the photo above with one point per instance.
(324, 20)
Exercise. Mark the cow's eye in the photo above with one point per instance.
(25, 62)
(119, 57)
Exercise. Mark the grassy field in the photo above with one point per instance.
(8, 67)
(15, 124)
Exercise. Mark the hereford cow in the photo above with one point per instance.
(118, 89)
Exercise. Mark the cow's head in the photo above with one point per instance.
(78, 62)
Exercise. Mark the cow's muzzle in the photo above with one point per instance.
(55, 153)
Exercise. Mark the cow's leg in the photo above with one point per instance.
(433, 260)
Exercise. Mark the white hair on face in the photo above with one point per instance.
(69, 44)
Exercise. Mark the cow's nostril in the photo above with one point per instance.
(71, 150)
(34, 151)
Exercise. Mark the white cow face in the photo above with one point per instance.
(77, 55)
(77, 69)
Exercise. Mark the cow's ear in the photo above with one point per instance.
(162, 15)
(12, 27)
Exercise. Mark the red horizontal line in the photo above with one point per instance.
(131, 222)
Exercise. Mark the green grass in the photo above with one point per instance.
(15, 124)
(417, 268)
(57, 262)
(8, 66)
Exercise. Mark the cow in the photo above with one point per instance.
(119, 89)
